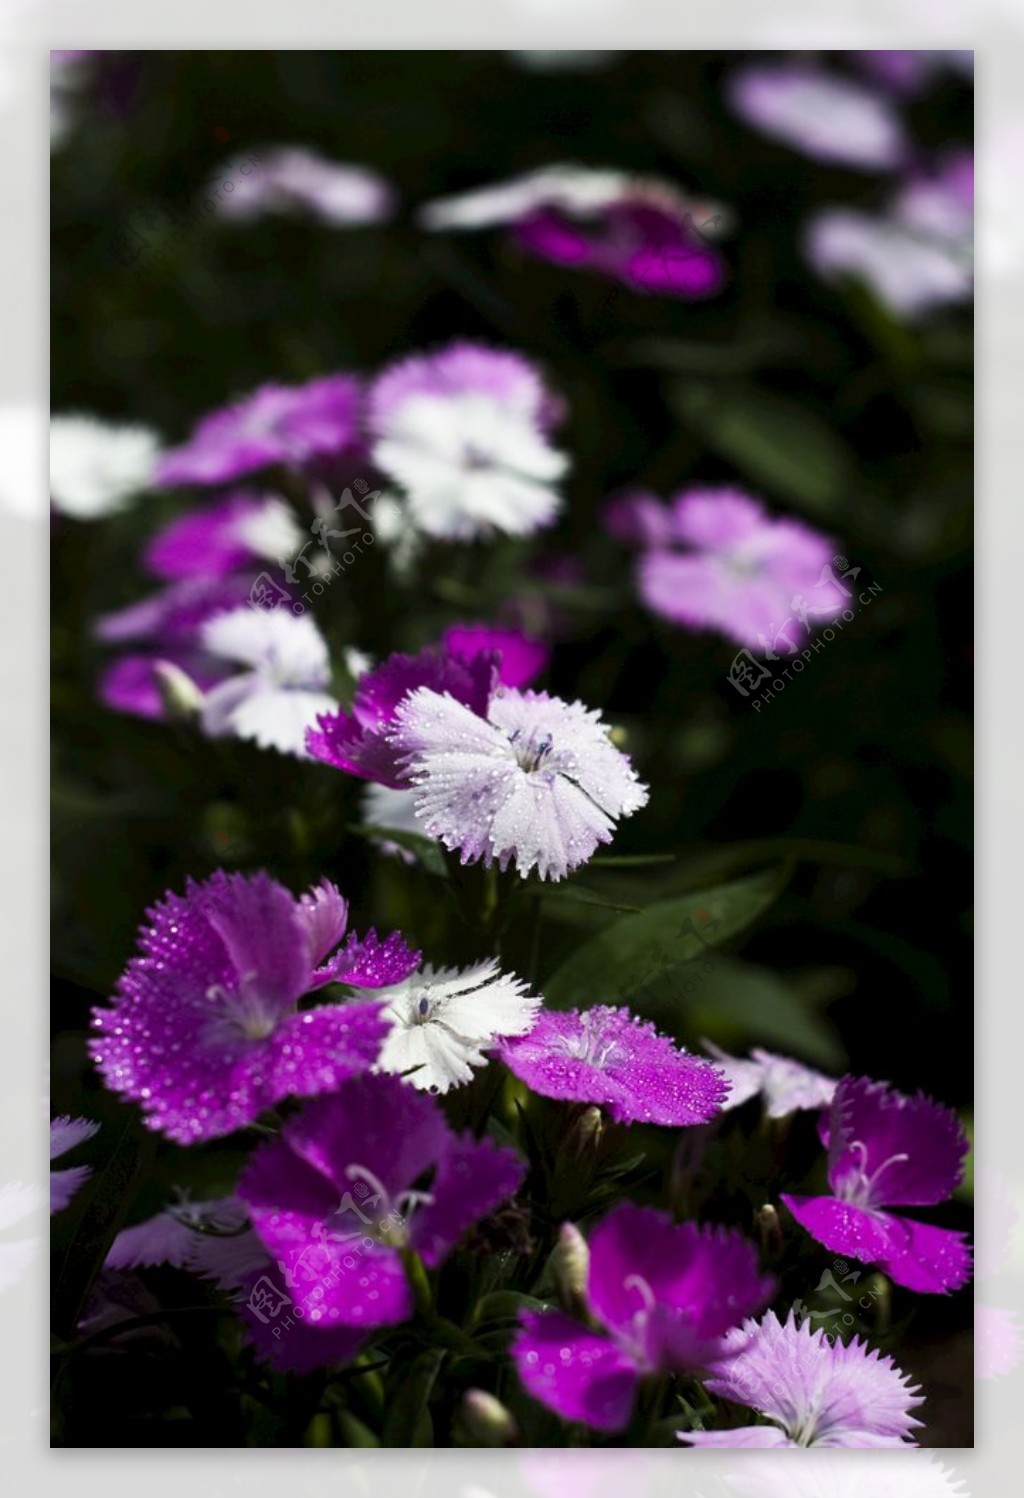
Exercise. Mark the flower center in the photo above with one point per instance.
(591, 1045)
(531, 750)
(247, 1012)
(857, 1187)
(387, 1221)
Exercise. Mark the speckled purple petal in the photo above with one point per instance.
(673, 1289)
(355, 741)
(605, 1055)
(473, 1177)
(577, 1373)
(368, 962)
(201, 1034)
(295, 1345)
(915, 1254)
(910, 1149)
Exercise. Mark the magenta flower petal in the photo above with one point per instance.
(896, 1150)
(671, 1289)
(275, 424)
(357, 741)
(473, 1177)
(928, 1259)
(522, 660)
(368, 962)
(223, 536)
(577, 1373)
(204, 1031)
(293, 1345)
(607, 1056)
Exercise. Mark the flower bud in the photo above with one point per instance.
(768, 1231)
(585, 1134)
(570, 1264)
(181, 698)
(486, 1420)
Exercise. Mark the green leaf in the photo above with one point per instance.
(772, 440)
(428, 854)
(737, 1004)
(407, 1420)
(622, 956)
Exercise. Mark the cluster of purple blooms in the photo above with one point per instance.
(248, 1005)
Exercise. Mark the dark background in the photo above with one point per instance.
(814, 397)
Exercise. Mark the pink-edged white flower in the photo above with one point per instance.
(642, 231)
(463, 433)
(284, 689)
(444, 1019)
(97, 467)
(66, 1134)
(537, 783)
(292, 179)
(815, 1392)
(785, 1085)
(820, 114)
(224, 535)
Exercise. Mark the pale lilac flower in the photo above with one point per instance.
(607, 1056)
(287, 424)
(663, 1295)
(463, 433)
(284, 690)
(815, 1392)
(368, 1146)
(641, 231)
(918, 255)
(444, 1020)
(205, 1031)
(223, 536)
(293, 179)
(538, 782)
(743, 572)
(885, 1150)
(904, 73)
(96, 467)
(821, 114)
(357, 741)
(66, 1134)
(213, 1239)
(785, 1085)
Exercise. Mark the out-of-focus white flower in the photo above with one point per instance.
(292, 179)
(96, 467)
(283, 691)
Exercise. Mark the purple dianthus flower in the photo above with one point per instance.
(609, 1057)
(205, 1031)
(360, 1176)
(885, 1150)
(289, 424)
(664, 1295)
